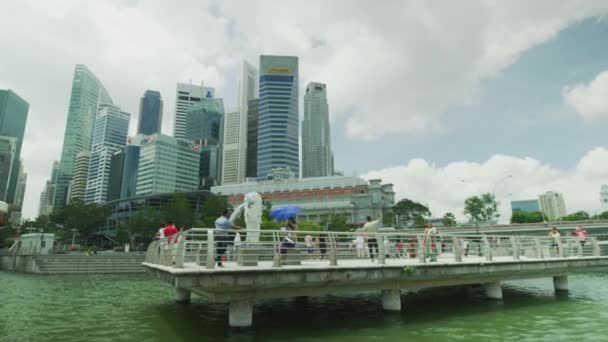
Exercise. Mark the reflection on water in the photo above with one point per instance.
(139, 308)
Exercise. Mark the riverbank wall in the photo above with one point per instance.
(73, 264)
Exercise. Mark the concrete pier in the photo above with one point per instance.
(182, 295)
(560, 283)
(391, 300)
(493, 290)
(240, 313)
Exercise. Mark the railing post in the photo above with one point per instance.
(381, 249)
(514, 247)
(180, 251)
(457, 249)
(538, 248)
(421, 249)
(333, 253)
(276, 256)
(560, 248)
(596, 247)
(210, 249)
(487, 250)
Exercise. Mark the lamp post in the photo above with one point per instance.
(73, 236)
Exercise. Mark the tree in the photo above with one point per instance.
(577, 216)
(143, 225)
(87, 218)
(266, 211)
(337, 222)
(309, 226)
(388, 219)
(603, 216)
(482, 208)
(179, 211)
(213, 208)
(527, 217)
(410, 213)
(448, 220)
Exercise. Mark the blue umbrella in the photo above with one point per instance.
(284, 213)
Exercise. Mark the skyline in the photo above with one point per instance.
(437, 134)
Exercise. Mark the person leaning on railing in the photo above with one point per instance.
(223, 238)
(371, 228)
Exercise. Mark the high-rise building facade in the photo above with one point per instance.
(21, 186)
(236, 125)
(252, 139)
(205, 127)
(87, 94)
(150, 113)
(8, 154)
(13, 118)
(317, 156)
(78, 184)
(278, 122)
(552, 205)
(47, 196)
(187, 95)
(525, 206)
(110, 135)
(604, 198)
(124, 168)
(167, 164)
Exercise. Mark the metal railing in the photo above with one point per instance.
(208, 248)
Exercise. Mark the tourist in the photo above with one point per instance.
(429, 242)
(556, 236)
(222, 235)
(360, 246)
(310, 245)
(400, 250)
(371, 228)
(387, 247)
(322, 246)
(464, 243)
(169, 231)
(289, 238)
(581, 233)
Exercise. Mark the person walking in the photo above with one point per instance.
(289, 239)
(223, 238)
(360, 245)
(556, 236)
(429, 242)
(371, 229)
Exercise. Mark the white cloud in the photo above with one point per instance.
(445, 188)
(390, 69)
(590, 100)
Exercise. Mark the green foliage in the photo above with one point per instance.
(267, 208)
(179, 211)
(603, 216)
(143, 226)
(309, 226)
(524, 217)
(336, 222)
(388, 219)
(482, 208)
(213, 208)
(87, 218)
(271, 225)
(577, 216)
(448, 220)
(410, 213)
(7, 235)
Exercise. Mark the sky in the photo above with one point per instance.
(443, 99)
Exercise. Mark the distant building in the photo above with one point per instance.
(21, 186)
(78, 185)
(278, 121)
(167, 164)
(124, 169)
(526, 206)
(320, 197)
(86, 96)
(150, 113)
(552, 205)
(604, 198)
(47, 196)
(252, 139)
(186, 96)
(13, 118)
(317, 156)
(8, 156)
(235, 138)
(110, 135)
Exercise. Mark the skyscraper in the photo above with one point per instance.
(47, 196)
(187, 95)
(150, 113)
(78, 184)
(252, 139)
(21, 186)
(317, 156)
(110, 135)
(124, 169)
(235, 129)
(87, 94)
(205, 127)
(278, 124)
(552, 205)
(167, 164)
(8, 152)
(13, 118)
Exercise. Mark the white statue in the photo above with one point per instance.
(252, 206)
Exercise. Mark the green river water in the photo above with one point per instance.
(139, 308)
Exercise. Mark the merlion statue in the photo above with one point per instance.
(252, 205)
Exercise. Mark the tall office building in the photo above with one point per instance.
(317, 156)
(205, 127)
(87, 94)
(8, 153)
(604, 198)
(167, 164)
(110, 135)
(47, 196)
(150, 113)
(236, 126)
(552, 205)
(525, 206)
(278, 124)
(21, 185)
(13, 118)
(187, 95)
(124, 168)
(252, 139)
(78, 184)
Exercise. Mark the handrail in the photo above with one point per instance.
(204, 247)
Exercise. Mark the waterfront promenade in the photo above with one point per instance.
(259, 270)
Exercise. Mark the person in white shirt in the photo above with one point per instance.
(360, 245)
(371, 227)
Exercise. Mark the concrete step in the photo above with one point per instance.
(89, 271)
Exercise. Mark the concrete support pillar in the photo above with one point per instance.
(560, 283)
(182, 295)
(391, 300)
(493, 290)
(240, 313)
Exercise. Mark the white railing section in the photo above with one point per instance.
(202, 247)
